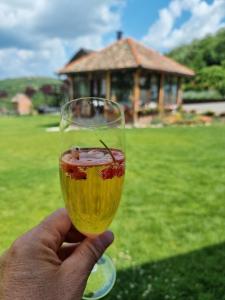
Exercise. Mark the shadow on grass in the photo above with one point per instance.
(198, 275)
(52, 124)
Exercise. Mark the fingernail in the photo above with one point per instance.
(107, 238)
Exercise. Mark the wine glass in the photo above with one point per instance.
(92, 168)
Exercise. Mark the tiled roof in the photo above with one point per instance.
(125, 54)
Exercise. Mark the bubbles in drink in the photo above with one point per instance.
(92, 185)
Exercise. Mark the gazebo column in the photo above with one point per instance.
(179, 92)
(108, 85)
(161, 93)
(136, 95)
(71, 86)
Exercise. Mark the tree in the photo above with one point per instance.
(30, 91)
(207, 78)
(202, 53)
(47, 89)
(207, 58)
(3, 94)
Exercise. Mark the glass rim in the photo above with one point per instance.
(120, 118)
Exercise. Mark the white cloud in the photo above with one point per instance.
(25, 62)
(204, 19)
(36, 36)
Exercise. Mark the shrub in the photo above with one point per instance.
(30, 91)
(3, 94)
(209, 113)
(202, 95)
(148, 112)
(47, 89)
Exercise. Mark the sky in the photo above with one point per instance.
(39, 37)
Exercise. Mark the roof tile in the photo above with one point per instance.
(123, 54)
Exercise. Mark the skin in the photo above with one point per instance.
(51, 261)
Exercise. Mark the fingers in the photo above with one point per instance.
(88, 253)
(53, 230)
(74, 236)
(66, 250)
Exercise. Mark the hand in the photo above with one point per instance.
(39, 266)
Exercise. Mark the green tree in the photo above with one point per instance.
(207, 58)
(208, 78)
(202, 53)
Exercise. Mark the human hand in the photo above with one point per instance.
(39, 266)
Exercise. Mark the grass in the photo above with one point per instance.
(170, 238)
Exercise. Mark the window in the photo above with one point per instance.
(149, 90)
(145, 90)
(81, 86)
(170, 90)
(98, 86)
(154, 88)
(122, 86)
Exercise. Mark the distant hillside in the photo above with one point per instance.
(207, 58)
(18, 85)
(10, 87)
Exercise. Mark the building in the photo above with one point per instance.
(22, 104)
(127, 72)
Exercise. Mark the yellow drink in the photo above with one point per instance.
(92, 185)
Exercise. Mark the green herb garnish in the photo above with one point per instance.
(110, 152)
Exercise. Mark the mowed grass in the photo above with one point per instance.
(170, 227)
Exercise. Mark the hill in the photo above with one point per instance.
(18, 85)
(207, 58)
(10, 87)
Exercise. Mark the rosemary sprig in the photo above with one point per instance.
(110, 152)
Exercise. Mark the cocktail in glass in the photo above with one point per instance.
(92, 168)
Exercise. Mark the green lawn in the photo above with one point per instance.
(170, 228)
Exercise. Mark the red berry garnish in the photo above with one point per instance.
(79, 175)
(107, 173)
(114, 170)
(73, 171)
(120, 171)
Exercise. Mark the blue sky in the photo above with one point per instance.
(38, 37)
(146, 12)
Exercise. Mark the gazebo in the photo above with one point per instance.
(128, 72)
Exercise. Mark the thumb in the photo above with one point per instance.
(88, 252)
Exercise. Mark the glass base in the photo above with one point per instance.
(101, 279)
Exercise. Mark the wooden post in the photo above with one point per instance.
(71, 87)
(179, 92)
(89, 84)
(108, 85)
(136, 95)
(161, 93)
